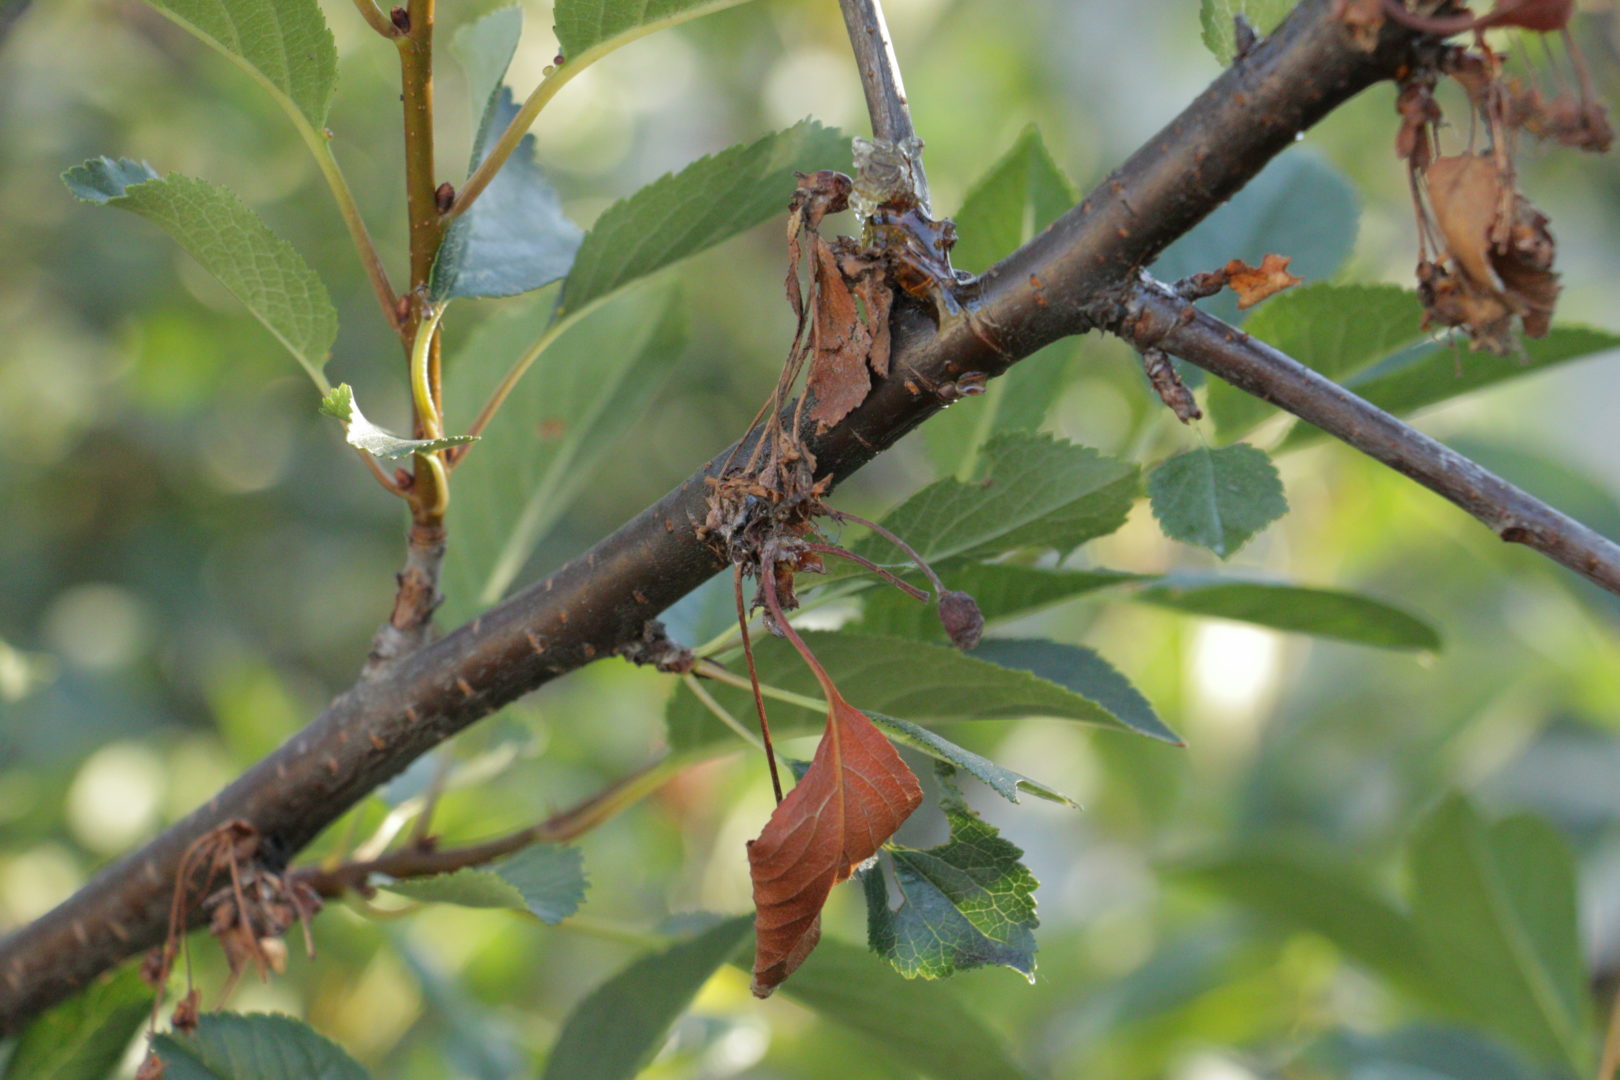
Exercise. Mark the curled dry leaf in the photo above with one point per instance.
(151, 1067)
(1498, 259)
(1254, 283)
(856, 793)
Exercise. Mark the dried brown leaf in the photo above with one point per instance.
(856, 793)
(1503, 259)
(1254, 283)
(840, 343)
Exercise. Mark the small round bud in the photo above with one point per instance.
(963, 620)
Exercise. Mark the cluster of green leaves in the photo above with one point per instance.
(1489, 935)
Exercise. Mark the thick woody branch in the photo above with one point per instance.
(1153, 316)
(1067, 280)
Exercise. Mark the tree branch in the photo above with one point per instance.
(1069, 279)
(1153, 316)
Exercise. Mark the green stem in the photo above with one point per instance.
(375, 16)
(508, 142)
(427, 409)
(710, 670)
(343, 195)
(721, 713)
(504, 388)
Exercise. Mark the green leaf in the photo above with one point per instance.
(922, 1025)
(587, 29)
(253, 1046)
(1430, 376)
(1216, 498)
(1020, 195)
(515, 238)
(966, 903)
(359, 432)
(1217, 16)
(84, 1038)
(1336, 330)
(284, 44)
(1001, 590)
(1000, 680)
(1323, 612)
(484, 48)
(615, 1031)
(546, 880)
(1495, 908)
(1037, 491)
(684, 213)
(258, 267)
(563, 419)
(1304, 891)
(1300, 206)
(1003, 781)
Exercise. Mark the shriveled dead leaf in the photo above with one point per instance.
(855, 795)
(1254, 283)
(839, 343)
(1498, 259)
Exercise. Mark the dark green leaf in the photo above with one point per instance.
(1002, 781)
(1433, 375)
(1000, 680)
(1216, 498)
(1300, 206)
(284, 44)
(1336, 330)
(563, 419)
(259, 268)
(615, 1031)
(1495, 908)
(587, 29)
(1001, 590)
(1216, 17)
(515, 238)
(967, 903)
(924, 1025)
(85, 1037)
(1020, 195)
(359, 432)
(1423, 1052)
(1037, 491)
(1322, 612)
(255, 1046)
(681, 214)
(1304, 891)
(547, 880)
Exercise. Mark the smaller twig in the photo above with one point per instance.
(503, 389)
(870, 567)
(379, 473)
(879, 68)
(911, 553)
(409, 862)
(721, 713)
(753, 678)
(1152, 316)
(376, 18)
(507, 144)
(422, 833)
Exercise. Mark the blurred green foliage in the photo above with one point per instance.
(192, 564)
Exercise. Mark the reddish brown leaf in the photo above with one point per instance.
(1254, 283)
(840, 342)
(855, 795)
